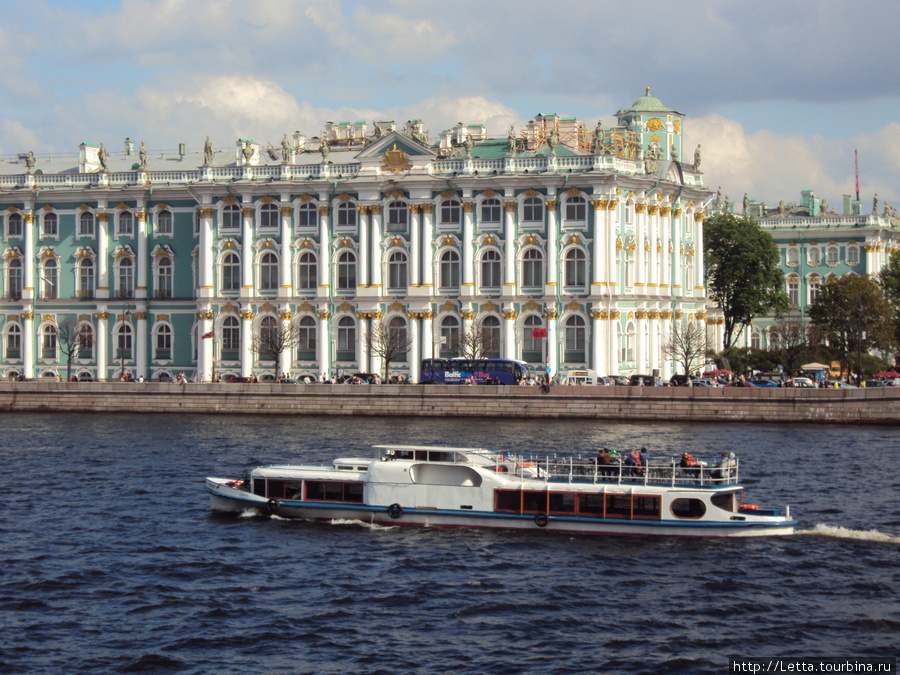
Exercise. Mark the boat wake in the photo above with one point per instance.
(360, 523)
(822, 530)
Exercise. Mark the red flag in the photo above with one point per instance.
(207, 335)
(539, 333)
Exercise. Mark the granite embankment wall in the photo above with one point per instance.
(842, 406)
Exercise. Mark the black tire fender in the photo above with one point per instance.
(273, 505)
(541, 520)
(395, 511)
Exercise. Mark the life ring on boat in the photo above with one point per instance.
(272, 505)
(750, 507)
(541, 520)
(395, 510)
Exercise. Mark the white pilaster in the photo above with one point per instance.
(247, 284)
(362, 277)
(246, 342)
(284, 271)
(414, 256)
(375, 246)
(468, 280)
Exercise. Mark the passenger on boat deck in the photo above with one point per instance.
(645, 456)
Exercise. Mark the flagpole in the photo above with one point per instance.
(856, 166)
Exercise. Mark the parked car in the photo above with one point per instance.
(237, 379)
(764, 383)
(802, 383)
(648, 380)
(619, 380)
(288, 380)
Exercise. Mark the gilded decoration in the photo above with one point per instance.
(573, 239)
(489, 307)
(306, 198)
(395, 161)
(490, 241)
(123, 252)
(323, 315)
(646, 246)
(654, 124)
(448, 194)
(267, 307)
(204, 213)
(13, 209)
(305, 307)
(599, 204)
(285, 316)
(375, 209)
(510, 315)
(415, 208)
(229, 200)
(47, 254)
(286, 211)
(640, 208)
(448, 241)
(396, 241)
(267, 199)
(247, 211)
(83, 317)
(573, 192)
(510, 207)
(467, 315)
(140, 316)
(679, 315)
(395, 193)
(698, 217)
(613, 203)
(598, 315)
(427, 208)
(640, 314)
(102, 316)
(396, 306)
(665, 210)
(532, 306)
(345, 242)
(701, 316)
(103, 217)
(228, 308)
(47, 209)
(677, 213)
(681, 249)
(84, 207)
(28, 218)
(654, 138)
(551, 204)
(448, 307)
(488, 193)
(531, 192)
(870, 248)
(574, 306)
(653, 209)
(267, 244)
(323, 210)
(531, 240)
(691, 204)
(49, 318)
(468, 207)
(632, 245)
(665, 314)
(306, 243)
(344, 198)
(618, 244)
(83, 253)
(658, 247)
(550, 314)
(653, 315)
(363, 209)
(229, 245)
(204, 316)
(27, 316)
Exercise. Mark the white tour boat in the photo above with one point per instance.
(463, 487)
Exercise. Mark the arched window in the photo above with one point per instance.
(231, 217)
(14, 225)
(398, 217)
(306, 338)
(346, 347)
(449, 270)
(852, 255)
(306, 271)
(164, 277)
(832, 255)
(755, 338)
(532, 269)
(397, 270)
(575, 339)
(490, 337)
(793, 256)
(532, 347)
(268, 216)
(629, 267)
(533, 210)
(346, 214)
(86, 278)
(346, 271)
(14, 279)
(164, 222)
(13, 341)
(491, 211)
(397, 338)
(49, 279)
(163, 343)
(231, 339)
(306, 215)
(814, 288)
(576, 209)
(450, 334)
(84, 335)
(268, 338)
(123, 341)
(630, 343)
(51, 225)
(48, 341)
(86, 224)
(813, 256)
(231, 272)
(451, 213)
(576, 267)
(125, 278)
(268, 272)
(490, 270)
(126, 224)
(794, 290)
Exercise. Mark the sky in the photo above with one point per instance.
(780, 93)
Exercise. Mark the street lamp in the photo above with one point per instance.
(127, 313)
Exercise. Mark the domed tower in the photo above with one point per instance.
(656, 125)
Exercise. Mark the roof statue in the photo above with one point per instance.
(468, 144)
(324, 149)
(746, 204)
(719, 199)
(103, 156)
(598, 139)
(553, 141)
(207, 152)
(824, 208)
(247, 152)
(29, 161)
(142, 156)
(378, 133)
(674, 154)
(729, 204)
(781, 209)
(511, 142)
(285, 150)
(697, 158)
(874, 203)
(650, 158)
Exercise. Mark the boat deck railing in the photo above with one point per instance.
(588, 470)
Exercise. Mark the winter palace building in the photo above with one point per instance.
(174, 261)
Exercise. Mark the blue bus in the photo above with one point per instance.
(460, 371)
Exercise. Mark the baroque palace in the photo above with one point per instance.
(174, 261)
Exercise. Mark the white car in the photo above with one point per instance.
(803, 382)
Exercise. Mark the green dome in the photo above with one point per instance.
(647, 103)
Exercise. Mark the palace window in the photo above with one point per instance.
(794, 291)
(306, 271)
(14, 279)
(346, 271)
(268, 216)
(50, 225)
(164, 222)
(86, 278)
(490, 336)
(449, 277)
(755, 338)
(14, 342)
(450, 334)
(48, 341)
(575, 339)
(852, 255)
(346, 214)
(126, 224)
(231, 217)
(164, 277)
(14, 225)
(50, 279)
(231, 339)
(814, 288)
(629, 268)
(491, 211)
(532, 269)
(832, 256)
(813, 256)
(231, 272)
(576, 210)
(306, 338)
(306, 215)
(532, 347)
(397, 266)
(163, 343)
(398, 217)
(268, 272)
(451, 213)
(397, 336)
(630, 343)
(86, 224)
(346, 347)
(576, 267)
(490, 270)
(125, 279)
(533, 210)
(123, 341)
(793, 256)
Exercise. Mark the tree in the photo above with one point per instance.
(687, 346)
(274, 338)
(389, 340)
(788, 341)
(852, 315)
(476, 342)
(73, 338)
(742, 272)
(889, 280)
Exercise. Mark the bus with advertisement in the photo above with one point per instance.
(461, 371)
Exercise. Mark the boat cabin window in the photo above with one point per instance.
(618, 506)
(724, 500)
(688, 508)
(590, 505)
(283, 489)
(562, 502)
(594, 505)
(334, 491)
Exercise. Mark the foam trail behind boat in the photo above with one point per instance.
(823, 530)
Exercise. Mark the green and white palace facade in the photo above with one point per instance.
(593, 234)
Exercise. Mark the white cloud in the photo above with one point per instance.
(443, 112)
(15, 137)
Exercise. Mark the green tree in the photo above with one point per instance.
(742, 272)
(852, 315)
(889, 280)
(787, 341)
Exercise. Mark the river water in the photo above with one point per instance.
(112, 561)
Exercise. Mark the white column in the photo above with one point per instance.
(653, 236)
(102, 342)
(362, 277)
(677, 289)
(653, 322)
(427, 255)
(375, 246)
(142, 262)
(102, 255)
(205, 348)
(324, 248)
(598, 273)
(414, 257)
(509, 248)
(140, 360)
(286, 288)
(468, 276)
(246, 342)
(427, 335)
(552, 345)
(30, 287)
(698, 258)
(247, 252)
(29, 340)
(509, 335)
(322, 345)
(414, 360)
(205, 261)
(640, 326)
(598, 333)
(615, 345)
(365, 326)
(552, 245)
(640, 230)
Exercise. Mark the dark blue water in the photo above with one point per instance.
(112, 561)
